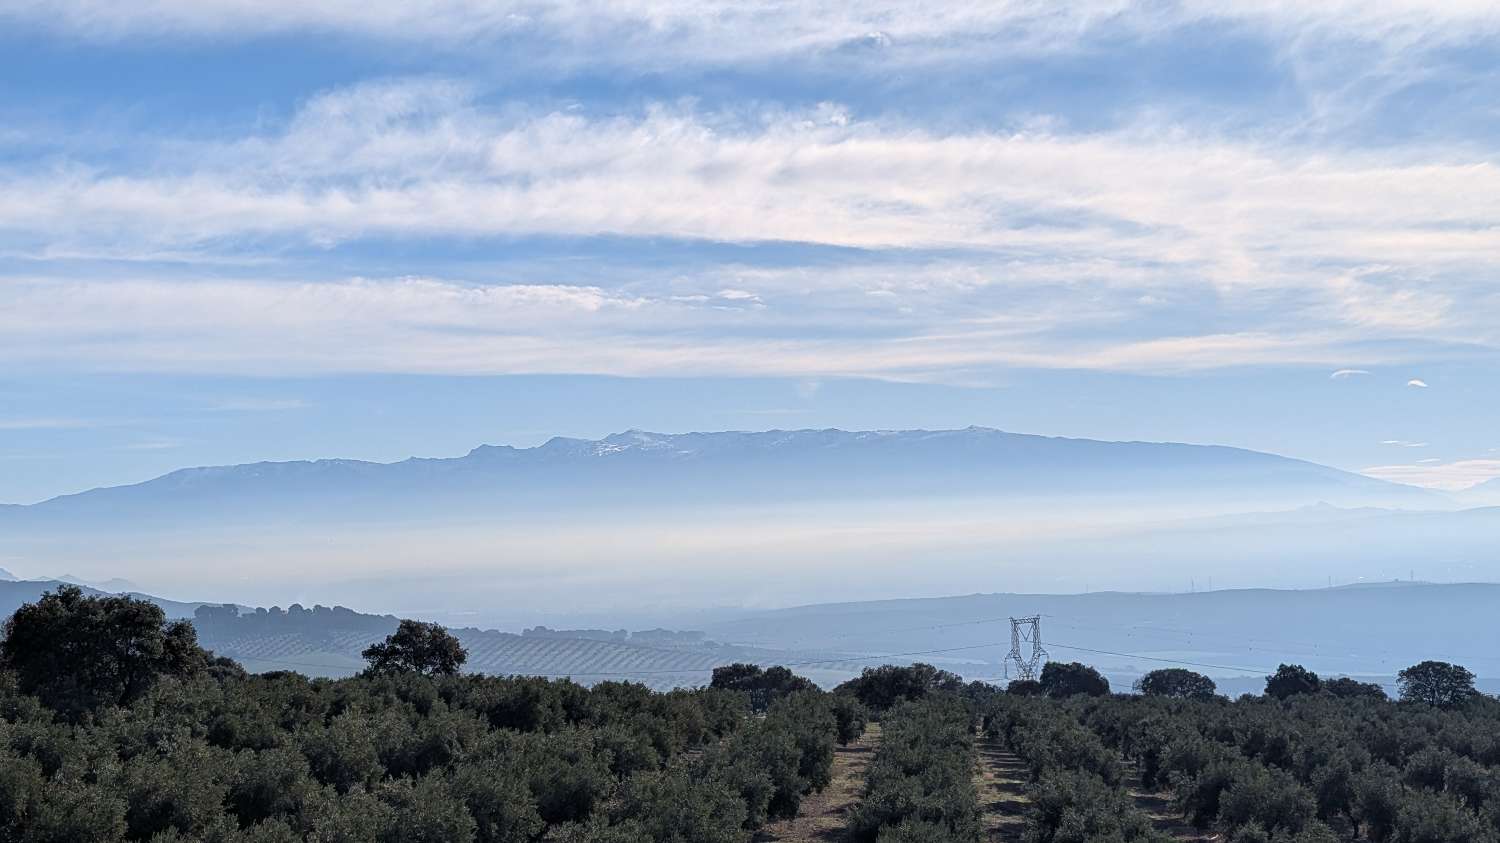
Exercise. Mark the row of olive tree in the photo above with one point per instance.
(115, 725)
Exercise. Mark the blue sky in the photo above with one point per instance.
(233, 231)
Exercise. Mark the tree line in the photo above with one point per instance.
(1310, 760)
(115, 725)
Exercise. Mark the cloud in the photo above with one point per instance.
(1451, 477)
(1155, 247)
(426, 325)
(738, 295)
(724, 30)
(156, 444)
(1420, 384)
(1404, 443)
(1387, 241)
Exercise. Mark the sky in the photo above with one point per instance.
(233, 231)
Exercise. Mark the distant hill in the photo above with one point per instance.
(323, 641)
(1367, 630)
(637, 468)
(14, 593)
(699, 519)
(327, 642)
(1238, 635)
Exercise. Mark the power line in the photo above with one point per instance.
(1158, 659)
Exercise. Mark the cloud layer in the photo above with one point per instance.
(420, 159)
(903, 244)
(726, 29)
(973, 249)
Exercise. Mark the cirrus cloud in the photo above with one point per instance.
(1451, 476)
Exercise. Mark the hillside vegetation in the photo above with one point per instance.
(323, 641)
(116, 725)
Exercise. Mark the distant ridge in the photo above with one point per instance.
(640, 468)
(1122, 633)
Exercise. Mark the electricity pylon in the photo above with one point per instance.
(1030, 630)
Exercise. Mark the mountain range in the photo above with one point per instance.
(637, 468)
(665, 522)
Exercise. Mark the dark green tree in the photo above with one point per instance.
(850, 714)
(763, 687)
(1346, 688)
(1024, 688)
(1066, 679)
(879, 688)
(1290, 680)
(1436, 683)
(1176, 682)
(416, 647)
(79, 653)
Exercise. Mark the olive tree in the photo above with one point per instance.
(416, 647)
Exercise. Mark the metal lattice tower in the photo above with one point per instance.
(1029, 630)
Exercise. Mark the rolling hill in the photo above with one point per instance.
(1368, 630)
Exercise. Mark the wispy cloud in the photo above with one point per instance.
(1418, 383)
(420, 159)
(1145, 243)
(725, 30)
(441, 326)
(154, 444)
(1298, 254)
(1403, 443)
(1451, 476)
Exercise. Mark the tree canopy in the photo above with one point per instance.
(1348, 688)
(1176, 682)
(1290, 680)
(1065, 679)
(416, 647)
(1436, 683)
(762, 686)
(879, 688)
(78, 653)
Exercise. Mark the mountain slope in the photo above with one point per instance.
(14, 593)
(636, 468)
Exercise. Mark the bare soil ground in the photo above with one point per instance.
(822, 818)
(1000, 779)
